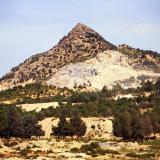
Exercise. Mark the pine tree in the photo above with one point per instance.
(155, 123)
(14, 115)
(78, 125)
(117, 127)
(31, 127)
(147, 125)
(137, 128)
(63, 129)
(126, 121)
(3, 120)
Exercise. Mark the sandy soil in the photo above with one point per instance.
(50, 148)
(38, 106)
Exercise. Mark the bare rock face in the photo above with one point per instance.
(80, 44)
(106, 69)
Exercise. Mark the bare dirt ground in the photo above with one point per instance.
(51, 148)
(38, 106)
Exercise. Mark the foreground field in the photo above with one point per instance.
(98, 143)
(73, 149)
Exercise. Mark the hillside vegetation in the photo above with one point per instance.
(134, 119)
(140, 108)
(33, 93)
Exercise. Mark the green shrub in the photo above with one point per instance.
(94, 150)
(74, 150)
(141, 156)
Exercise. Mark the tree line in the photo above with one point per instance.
(16, 123)
(135, 125)
(13, 122)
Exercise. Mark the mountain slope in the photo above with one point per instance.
(80, 44)
(141, 59)
(85, 58)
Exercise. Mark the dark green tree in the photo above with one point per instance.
(117, 127)
(14, 115)
(63, 129)
(69, 128)
(155, 123)
(3, 120)
(147, 125)
(137, 128)
(31, 126)
(79, 127)
(126, 121)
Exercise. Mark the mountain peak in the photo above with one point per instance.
(84, 39)
(80, 27)
(80, 44)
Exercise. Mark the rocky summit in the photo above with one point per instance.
(85, 57)
(82, 41)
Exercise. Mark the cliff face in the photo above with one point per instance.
(69, 57)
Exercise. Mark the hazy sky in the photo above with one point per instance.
(32, 26)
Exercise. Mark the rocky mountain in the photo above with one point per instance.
(85, 58)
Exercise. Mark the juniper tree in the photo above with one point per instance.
(79, 127)
(126, 121)
(3, 120)
(147, 125)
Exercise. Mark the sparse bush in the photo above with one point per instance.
(94, 149)
(74, 150)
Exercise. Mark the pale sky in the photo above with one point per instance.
(33, 26)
